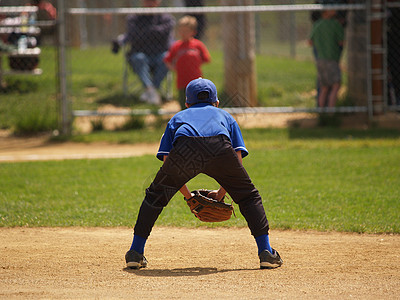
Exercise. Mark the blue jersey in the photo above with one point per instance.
(201, 120)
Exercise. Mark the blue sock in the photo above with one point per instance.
(263, 243)
(138, 244)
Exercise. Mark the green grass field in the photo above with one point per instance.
(322, 179)
(30, 101)
(319, 179)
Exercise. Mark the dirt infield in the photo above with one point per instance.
(83, 263)
(14, 149)
(88, 263)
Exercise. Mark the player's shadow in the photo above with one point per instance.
(180, 272)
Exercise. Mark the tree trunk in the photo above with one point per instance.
(239, 48)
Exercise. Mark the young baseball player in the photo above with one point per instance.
(202, 139)
(186, 56)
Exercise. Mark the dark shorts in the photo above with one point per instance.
(328, 72)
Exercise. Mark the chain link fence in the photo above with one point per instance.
(28, 73)
(261, 56)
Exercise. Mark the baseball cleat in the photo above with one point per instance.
(269, 260)
(135, 260)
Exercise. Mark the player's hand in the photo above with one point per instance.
(215, 194)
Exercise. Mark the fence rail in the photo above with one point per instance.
(231, 110)
(214, 9)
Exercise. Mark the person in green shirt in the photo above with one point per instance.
(327, 38)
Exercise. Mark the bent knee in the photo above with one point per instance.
(158, 196)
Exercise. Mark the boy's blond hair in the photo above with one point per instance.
(188, 21)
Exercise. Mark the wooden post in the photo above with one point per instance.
(74, 23)
(239, 56)
(377, 56)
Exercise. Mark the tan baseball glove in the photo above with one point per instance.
(207, 209)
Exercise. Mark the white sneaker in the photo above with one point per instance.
(145, 96)
(154, 96)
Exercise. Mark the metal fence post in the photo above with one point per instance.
(65, 110)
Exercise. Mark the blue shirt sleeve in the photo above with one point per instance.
(237, 139)
(166, 143)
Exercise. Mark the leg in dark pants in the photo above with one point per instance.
(182, 164)
(231, 174)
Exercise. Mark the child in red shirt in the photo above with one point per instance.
(186, 56)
